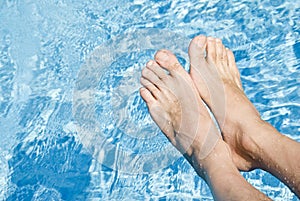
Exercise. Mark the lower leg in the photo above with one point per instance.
(224, 179)
(277, 154)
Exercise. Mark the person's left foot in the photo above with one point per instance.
(176, 107)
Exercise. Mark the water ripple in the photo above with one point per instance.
(44, 44)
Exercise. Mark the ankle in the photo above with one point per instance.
(218, 160)
(256, 140)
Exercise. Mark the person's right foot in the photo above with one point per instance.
(175, 106)
(217, 79)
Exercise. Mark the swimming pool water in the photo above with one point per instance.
(66, 126)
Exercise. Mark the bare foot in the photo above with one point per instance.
(217, 79)
(176, 107)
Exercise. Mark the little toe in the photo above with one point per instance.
(168, 61)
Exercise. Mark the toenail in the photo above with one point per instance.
(163, 56)
(218, 40)
(200, 43)
(150, 63)
(210, 38)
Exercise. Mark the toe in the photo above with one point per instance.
(219, 50)
(225, 59)
(200, 70)
(231, 62)
(151, 88)
(157, 70)
(233, 68)
(168, 61)
(197, 48)
(211, 50)
(147, 95)
(152, 77)
(219, 57)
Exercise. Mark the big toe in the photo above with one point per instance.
(200, 70)
(168, 61)
(197, 50)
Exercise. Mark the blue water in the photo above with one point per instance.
(72, 125)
